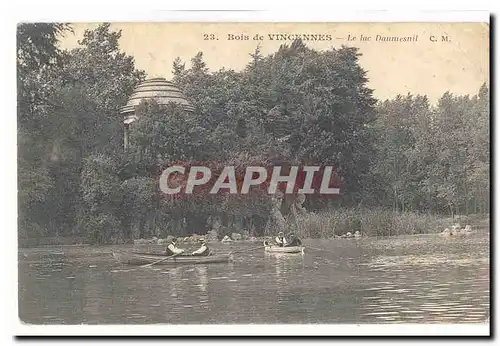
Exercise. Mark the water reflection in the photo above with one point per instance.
(174, 280)
(285, 265)
(417, 279)
(429, 288)
(201, 272)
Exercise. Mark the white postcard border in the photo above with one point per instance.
(9, 174)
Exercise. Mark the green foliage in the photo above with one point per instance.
(101, 228)
(101, 199)
(107, 75)
(68, 103)
(435, 158)
(169, 134)
(138, 203)
(37, 44)
(309, 106)
(368, 221)
(403, 157)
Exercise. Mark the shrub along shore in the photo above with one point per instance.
(339, 223)
(376, 222)
(407, 161)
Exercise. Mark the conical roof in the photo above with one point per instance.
(158, 89)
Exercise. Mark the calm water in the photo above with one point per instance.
(426, 279)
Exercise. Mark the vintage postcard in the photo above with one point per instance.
(205, 174)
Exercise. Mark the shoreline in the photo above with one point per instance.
(480, 226)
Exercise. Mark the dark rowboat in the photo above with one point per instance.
(135, 258)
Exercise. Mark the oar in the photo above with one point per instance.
(163, 259)
(315, 248)
(243, 250)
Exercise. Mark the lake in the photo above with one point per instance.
(406, 279)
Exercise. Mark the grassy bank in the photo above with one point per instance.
(50, 241)
(336, 222)
(374, 222)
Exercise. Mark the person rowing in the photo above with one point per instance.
(203, 250)
(280, 239)
(293, 240)
(172, 249)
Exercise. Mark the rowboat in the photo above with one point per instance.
(137, 258)
(282, 249)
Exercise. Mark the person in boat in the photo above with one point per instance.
(203, 250)
(280, 239)
(293, 240)
(172, 249)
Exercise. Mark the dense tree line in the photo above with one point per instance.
(435, 159)
(298, 106)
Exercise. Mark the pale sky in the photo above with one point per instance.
(459, 65)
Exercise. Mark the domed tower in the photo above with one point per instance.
(158, 89)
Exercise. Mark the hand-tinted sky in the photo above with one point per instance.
(459, 65)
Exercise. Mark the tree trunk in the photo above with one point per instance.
(395, 200)
(466, 195)
(142, 232)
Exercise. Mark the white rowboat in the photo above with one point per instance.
(282, 249)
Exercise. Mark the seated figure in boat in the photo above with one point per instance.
(203, 250)
(281, 240)
(172, 249)
(293, 240)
